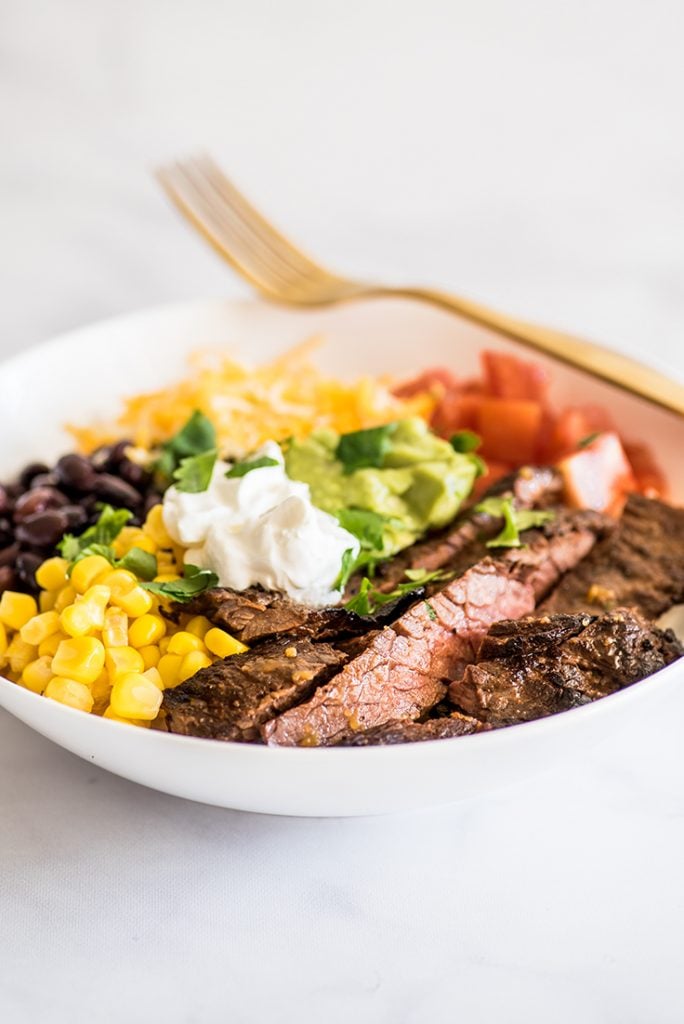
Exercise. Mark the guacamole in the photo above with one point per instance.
(411, 479)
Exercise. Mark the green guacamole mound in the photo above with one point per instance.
(419, 483)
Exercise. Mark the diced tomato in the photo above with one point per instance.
(575, 424)
(438, 380)
(650, 478)
(509, 429)
(456, 412)
(506, 376)
(598, 476)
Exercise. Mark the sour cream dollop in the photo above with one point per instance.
(261, 528)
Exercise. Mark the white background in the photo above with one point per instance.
(529, 154)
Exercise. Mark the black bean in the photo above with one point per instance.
(7, 578)
(26, 566)
(29, 472)
(117, 453)
(133, 474)
(9, 554)
(76, 473)
(76, 516)
(117, 491)
(6, 531)
(38, 500)
(45, 480)
(43, 529)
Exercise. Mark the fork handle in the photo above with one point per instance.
(610, 366)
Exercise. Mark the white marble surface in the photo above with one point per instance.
(527, 154)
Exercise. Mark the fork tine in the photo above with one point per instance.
(214, 221)
(257, 223)
(240, 233)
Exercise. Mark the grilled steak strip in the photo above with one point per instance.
(531, 487)
(640, 565)
(414, 732)
(230, 699)
(254, 614)
(401, 673)
(537, 667)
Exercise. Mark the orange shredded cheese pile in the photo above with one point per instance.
(286, 397)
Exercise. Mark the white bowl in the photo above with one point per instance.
(82, 375)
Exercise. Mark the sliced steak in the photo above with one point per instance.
(253, 615)
(230, 699)
(400, 675)
(452, 548)
(640, 565)
(537, 667)
(414, 732)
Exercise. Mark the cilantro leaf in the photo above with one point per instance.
(195, 580)
(432, 614)
(368, 599)
(364, 448)
(346, 569)
(242, 468)
(362, 603)
(109, 525)
(193, 475)
(365, 525)
(195, 437)
(465, 441)
(515, 521)
(142, 563)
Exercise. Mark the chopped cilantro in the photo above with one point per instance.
(367, 526)
(109, 525)
(196, 436)
(515, 521)
(465, 441)
(369, 599)
(242, 468)
(142, 563)
(589, 439)
(195, 580)
(364, 448)
(193, 475)
(346, 569)
(432, 614)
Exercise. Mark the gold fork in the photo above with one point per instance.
(282, 272)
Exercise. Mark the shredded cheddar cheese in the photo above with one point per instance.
(286, 397)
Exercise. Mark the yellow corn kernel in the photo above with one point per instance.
(150, 655)
(166, 577)
(222, 644)
(40, 627)
(119, 581)
(52, 574)
(135, 696)
(19, 654)
(70, 691)
(81, 658)
(101, 689)
(87, 613)
(132, 537)
(164, 644)
(47, 599)
(3, 640)
(135, 603)
(16, 609)
(154, 675)
(147, 629)
(182, 643)
(169, 665)
(84, 572)
(199, 626)
(66, 596)
(154, 527)
(49, 647)
(37, 674)
(120, 660)
(192, 663)
(113, 717)
(115, 629)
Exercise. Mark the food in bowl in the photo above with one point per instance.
(274, 556)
